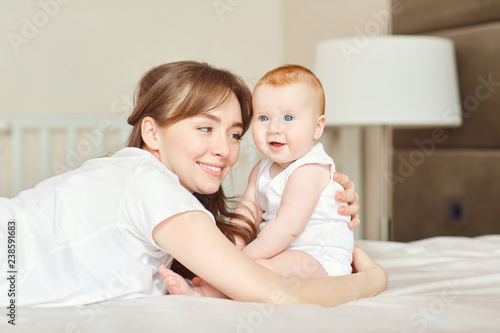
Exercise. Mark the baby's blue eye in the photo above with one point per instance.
(263, 118)
(288, 118)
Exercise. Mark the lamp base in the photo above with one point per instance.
(377, 148)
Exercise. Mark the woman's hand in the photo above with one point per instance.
(350, 196)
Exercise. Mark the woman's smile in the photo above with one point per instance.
(211, 169)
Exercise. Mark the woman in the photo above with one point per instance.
(102, 231)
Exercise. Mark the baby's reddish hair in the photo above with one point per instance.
(290, 74)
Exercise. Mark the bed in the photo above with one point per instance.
(435, 284)
(442, 284)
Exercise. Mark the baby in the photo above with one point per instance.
(291, 190)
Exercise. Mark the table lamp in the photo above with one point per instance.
(388, 81)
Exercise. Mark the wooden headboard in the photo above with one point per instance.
(454, 188)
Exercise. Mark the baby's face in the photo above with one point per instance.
(286, 122)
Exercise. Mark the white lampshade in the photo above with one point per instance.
(389, 80)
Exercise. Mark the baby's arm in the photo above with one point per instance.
(248, 206)
(300, 197)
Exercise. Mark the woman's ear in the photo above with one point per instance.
(320, 126)
(149, 133)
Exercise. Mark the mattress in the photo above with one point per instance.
(437, 284)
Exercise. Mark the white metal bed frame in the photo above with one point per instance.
(15, 126)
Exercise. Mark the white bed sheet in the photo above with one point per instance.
(442, 284)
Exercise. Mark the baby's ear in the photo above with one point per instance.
(320, 126)
(149, 133)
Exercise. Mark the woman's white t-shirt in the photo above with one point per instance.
(86, 235)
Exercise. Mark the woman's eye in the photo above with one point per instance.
(235, 136)
(288, 118)
(206, 129)
(263, 118)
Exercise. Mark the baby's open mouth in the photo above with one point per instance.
(276, 144)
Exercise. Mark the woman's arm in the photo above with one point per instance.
(195, 241)
(300, 198)
(350, 196)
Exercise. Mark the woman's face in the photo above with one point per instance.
(202, 149)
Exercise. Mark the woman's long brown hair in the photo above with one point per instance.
(175, 91)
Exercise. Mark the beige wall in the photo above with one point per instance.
(80, 57)
(307, 23)
(91, 52)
